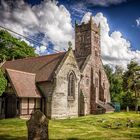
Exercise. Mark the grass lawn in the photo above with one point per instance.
(93, 127)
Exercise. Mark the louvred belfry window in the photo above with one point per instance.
(96, 82)
(71, 85)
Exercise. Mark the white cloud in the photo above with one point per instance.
(27, 42)
(55, 22)
(138, 22)
(105, 2)
(20, 18)
(115, 49)
(48, 18)
(41, 49)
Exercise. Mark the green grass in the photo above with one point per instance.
(93, 127)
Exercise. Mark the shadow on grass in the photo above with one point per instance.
(8, 137)
(67, 139)
(136, 136)
(72, 139)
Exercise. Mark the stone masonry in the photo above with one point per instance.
(38, 127)
(67, 84)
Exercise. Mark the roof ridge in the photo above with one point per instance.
(21, 71)
(35, 57)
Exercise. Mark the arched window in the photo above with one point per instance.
(96, 82)
(71, 85)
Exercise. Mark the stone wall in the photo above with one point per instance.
(62, 105)
(37, 126)
(90, 74)
(94, 83)
(47, 89)
(85, 85)
(91, 87)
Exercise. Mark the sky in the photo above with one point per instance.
(52, 24)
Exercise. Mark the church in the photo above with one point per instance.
(61, 85)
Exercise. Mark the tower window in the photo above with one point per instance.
(87, 81)
(83, 38)
(96, 82)
(71, 85)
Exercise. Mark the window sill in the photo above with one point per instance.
(70, 98)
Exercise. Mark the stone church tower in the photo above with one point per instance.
(94, 85)
(87, 39)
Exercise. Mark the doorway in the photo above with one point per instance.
(10, 106)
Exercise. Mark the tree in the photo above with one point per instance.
(109, 72)
(119, 70)
(13, 48)
(117, 88)
(70, 44)
(3, 82)
(125, 86)
(116, 81)
(132, 78)
(127, 100)
(131, 82)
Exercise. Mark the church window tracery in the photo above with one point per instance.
(71, 84)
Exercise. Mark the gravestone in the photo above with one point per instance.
(37, 126)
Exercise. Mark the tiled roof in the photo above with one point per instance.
(24, 83)
(42, 66)
(24, 73)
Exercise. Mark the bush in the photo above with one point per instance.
(3, 82)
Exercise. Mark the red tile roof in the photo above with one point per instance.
(24, 73)
(24, 83)
(42, 66)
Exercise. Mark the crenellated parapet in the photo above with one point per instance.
(87, 26)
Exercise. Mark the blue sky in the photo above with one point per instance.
(121, 17)
(52, 24)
